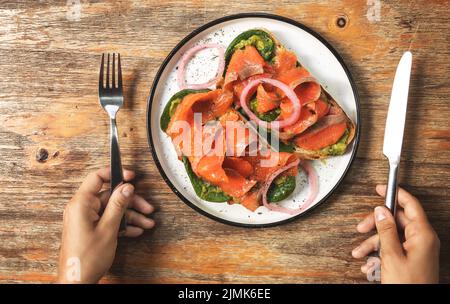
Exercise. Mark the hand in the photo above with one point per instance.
(91, 225)
(416, 259)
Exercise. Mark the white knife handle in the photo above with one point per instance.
(391, 191)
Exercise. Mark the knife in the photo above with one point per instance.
(395, 125)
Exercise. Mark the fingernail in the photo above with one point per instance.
(379, 214)
(359, 226)
(355, 251)
(149, 223)
(128, 190)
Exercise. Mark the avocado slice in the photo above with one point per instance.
(281, 188)
(173, 103)
(260, 39)
(337, 148)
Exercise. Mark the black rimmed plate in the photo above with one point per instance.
(314, 53)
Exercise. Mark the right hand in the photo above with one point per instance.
(416, 259)
(91, 226)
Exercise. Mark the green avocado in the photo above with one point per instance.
(257, 38)
(203, 189)
(281, 188)
(171, 106)
(338, 148)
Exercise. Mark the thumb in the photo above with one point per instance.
(115, 209)
(390, 246)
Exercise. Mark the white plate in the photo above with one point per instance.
(313, 52)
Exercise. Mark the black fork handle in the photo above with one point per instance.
(116, 167)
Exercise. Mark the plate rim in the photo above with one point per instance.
(205, 27)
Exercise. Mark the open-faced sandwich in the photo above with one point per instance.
(224, 167)
(260, 81)
(258, 69)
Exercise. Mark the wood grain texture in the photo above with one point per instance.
(48, 99)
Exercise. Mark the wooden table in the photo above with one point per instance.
(48, 100)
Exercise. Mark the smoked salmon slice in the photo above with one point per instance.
(267, 100)
(210, 169)
(228, 116)
(210, 104)
(285, 60)
(243, 64)
(322, 108)
(251, 200)
(236, 185)
(305, 86)
(261, 172)
(308, 117)
(238, 164)
(324, 138)
(238, 137)
(239, 86)
(217, 106)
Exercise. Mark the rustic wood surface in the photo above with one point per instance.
(48, 100)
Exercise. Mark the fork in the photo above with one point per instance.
(110, 96)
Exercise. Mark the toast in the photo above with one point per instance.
(269, 47)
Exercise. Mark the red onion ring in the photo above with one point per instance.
(313, 181)
(313, 184)
(187, 57)
(289, 93)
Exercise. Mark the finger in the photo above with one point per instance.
(367, 224)
(141, 205)
(365, 268)
(104, 197)
(365, 248)
(115, 209)
(411, 205)
(390, 246)
(128, 175)
(132, 231)
(137, 219)
(402, 220)
(416, 229)
(93, 183)
(138, 203)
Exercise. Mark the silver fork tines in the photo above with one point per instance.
(110, 96)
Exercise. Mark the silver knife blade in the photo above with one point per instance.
(395, 121)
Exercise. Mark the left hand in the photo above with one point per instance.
(91, 225)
